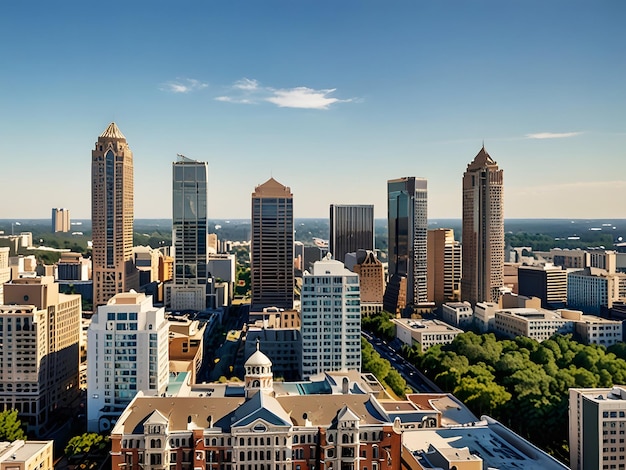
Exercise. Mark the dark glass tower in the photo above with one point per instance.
(351, 229)
(408, 232)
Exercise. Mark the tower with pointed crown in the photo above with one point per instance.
(271, 250)
(483, 231)
(112, 215)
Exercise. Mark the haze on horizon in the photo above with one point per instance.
(330, 98)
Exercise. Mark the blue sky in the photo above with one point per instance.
(330, 98)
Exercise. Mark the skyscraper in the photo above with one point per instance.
(189, 234)
(408, 232)
(483, 231)
(60, 220)
(351, 229)
(444, 266)
(271, 250)
(112, 215)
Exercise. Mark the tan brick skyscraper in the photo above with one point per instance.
(112, 215)
(483, 231)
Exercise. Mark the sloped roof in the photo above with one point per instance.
(112, 132)
(481, 160)
(272, 188)
(261, 406)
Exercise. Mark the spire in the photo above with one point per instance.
(481, 160)
(112, 132)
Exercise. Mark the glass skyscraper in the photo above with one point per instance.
(351, 229)
(189, 233)
(408, 232)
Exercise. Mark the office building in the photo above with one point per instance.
(594, 330)
(592, 289)
(458, 314)
(39, 352)
(424, 333)
(26, 455)
(567, 258)
(331, 319)
(73, 267)
(547, 282)
(483, 230)
(5, 270)
(60, 220)
(597, 426)
(127, 352)
(336, 422)
(408, 232)
(444, 266)
(351, 229)
(538, 324)
(112, 216)
(271, 249)
(371, 281)
(189, 234)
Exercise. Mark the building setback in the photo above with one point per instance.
(271, 248)
(351, 229)
(112, 215)
(483, 230)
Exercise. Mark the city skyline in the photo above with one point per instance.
(343, 95)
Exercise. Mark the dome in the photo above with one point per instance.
(258, 359)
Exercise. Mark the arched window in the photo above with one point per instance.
(242, 456)
(345, 439)
(375, 451)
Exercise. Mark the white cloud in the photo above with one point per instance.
(303, 97)
(249, 91)
(185, 85)
(552, 135)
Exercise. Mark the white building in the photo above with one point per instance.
(127, 352)
(485, 316)
(592, 288)
(597, 426)
(5, 270)
(426, 333)
(538, 324)
(594, 330)
(331, 319)
(459, 314)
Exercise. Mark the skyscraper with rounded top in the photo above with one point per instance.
(483, 230)
(112, 216)
(271, 250)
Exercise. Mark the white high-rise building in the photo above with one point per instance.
(597, 423)
(127, 352)
(331, 319)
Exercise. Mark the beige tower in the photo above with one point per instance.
(112, 215)
(271, 249)
(444, 266)
(483, 231)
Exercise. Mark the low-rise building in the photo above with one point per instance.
(592, 289)
(485, 316)
(459, 314)
(594, 330)
(186, 346)
(26, 455)
(425, 333)
(538, 324)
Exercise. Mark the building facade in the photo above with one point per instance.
(331, 319)
(127, 352)
(592, 289)
(351, 229)
(483, 230)
(597, 426)
(407, 219)
(39, 350)
(537, 324)
(189, 234)
(425, 333)
(547, 282)
(271, 249)
(458, 314)
(371, 281)
(60, 220)
(444, 266)
(112, 216)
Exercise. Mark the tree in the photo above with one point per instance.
(10, 426)
(85, 443)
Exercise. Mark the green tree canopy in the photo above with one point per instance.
(10, 426)
(86, 443)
